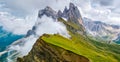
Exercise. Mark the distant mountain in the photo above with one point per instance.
(101, 30)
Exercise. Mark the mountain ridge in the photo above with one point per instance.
(101, 30)
(47, 52)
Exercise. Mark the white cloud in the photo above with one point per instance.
(23, 46)
(16, 25)
(44, 25)
(50, 26)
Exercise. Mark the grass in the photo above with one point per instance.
(80, 47)
(71, 25)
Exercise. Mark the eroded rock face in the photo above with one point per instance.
(72, 14)
(44, 52)
(48, 11)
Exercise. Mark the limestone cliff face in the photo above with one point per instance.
(71, 14)
(44, 52)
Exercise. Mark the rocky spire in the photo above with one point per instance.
(60, 14)
(48, 11)
(72, 14)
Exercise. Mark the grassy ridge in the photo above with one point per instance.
(79, 46)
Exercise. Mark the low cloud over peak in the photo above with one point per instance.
(23, 10)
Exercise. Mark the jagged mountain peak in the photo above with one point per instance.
(65, 9)
(73, 10)
(48, 8)
(71, 14)
(71, 5)
(48, 11)
(59, 13)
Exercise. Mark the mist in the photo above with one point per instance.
(17, 25)
(44, 25)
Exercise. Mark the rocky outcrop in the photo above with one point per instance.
(48, 11)
(72, 14)
(44, 52)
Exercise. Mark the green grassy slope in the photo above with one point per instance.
(79, 45)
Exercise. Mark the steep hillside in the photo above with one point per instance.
(55, 48)
(43, 51)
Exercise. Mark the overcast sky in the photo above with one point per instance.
(23, 11)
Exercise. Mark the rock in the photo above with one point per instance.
(72, 14)
(60, 14)
(48, 11)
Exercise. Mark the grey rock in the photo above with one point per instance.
(48, 12)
